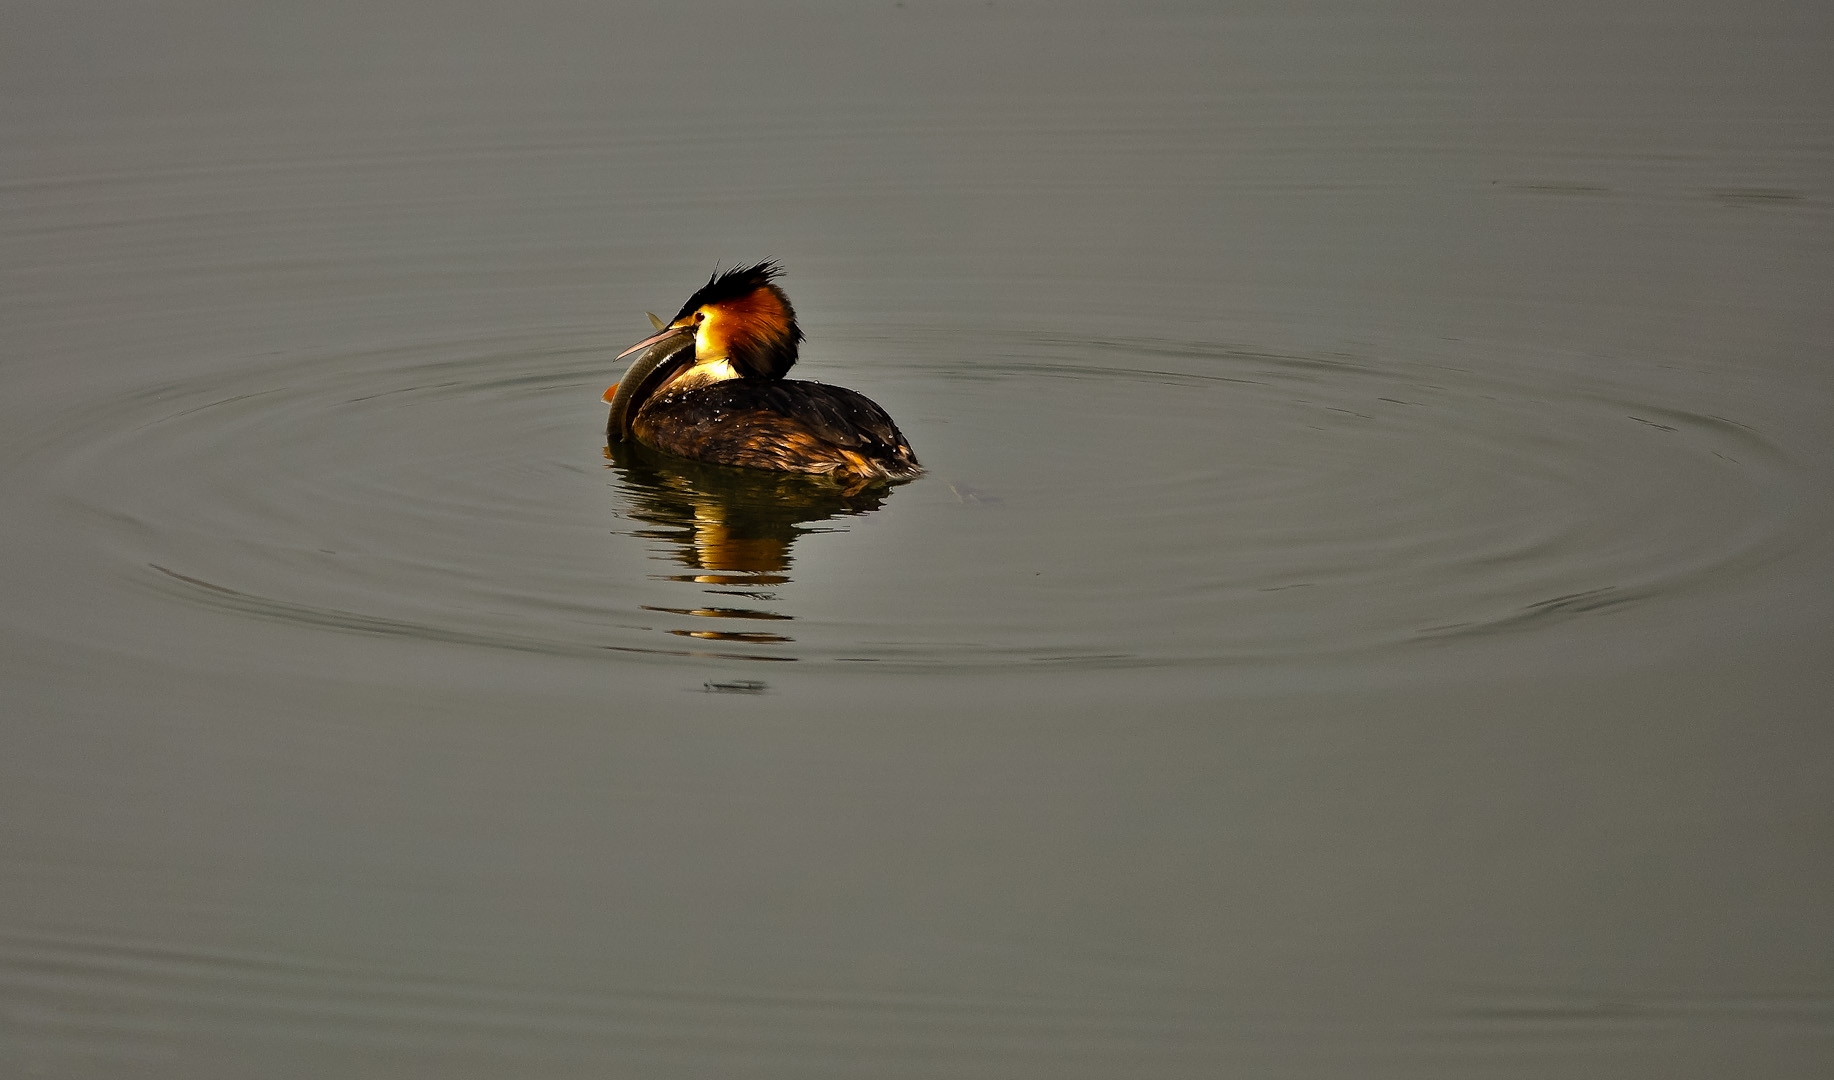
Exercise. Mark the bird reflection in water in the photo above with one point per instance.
(732, 529)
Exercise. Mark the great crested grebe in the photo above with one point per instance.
(710, 386)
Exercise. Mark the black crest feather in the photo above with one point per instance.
(732, 284)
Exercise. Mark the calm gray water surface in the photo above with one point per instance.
(1370, 611)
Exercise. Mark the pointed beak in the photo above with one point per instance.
(663, 335)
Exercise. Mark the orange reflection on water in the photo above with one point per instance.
(734, 529)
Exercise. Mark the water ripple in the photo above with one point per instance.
(1133, 502)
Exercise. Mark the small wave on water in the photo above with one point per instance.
(1090, 502)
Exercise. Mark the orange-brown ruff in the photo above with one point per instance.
(710, 386)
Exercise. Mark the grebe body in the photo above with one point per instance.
(710, 387)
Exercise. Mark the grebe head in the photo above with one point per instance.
(740, 321)
(738, 325)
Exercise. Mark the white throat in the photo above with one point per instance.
(703, 373)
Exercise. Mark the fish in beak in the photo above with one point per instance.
(669, 349)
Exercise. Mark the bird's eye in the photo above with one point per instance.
(700, 316)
